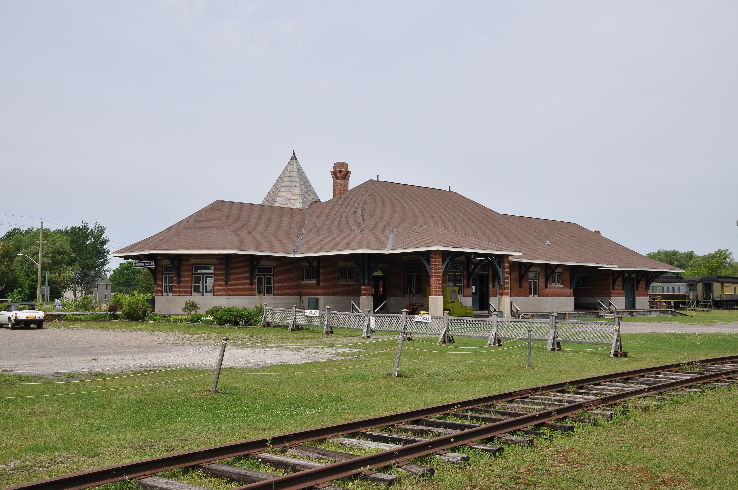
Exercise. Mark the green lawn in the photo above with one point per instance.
(693, 317)
(52, 429)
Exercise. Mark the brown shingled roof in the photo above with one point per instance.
(385, 217)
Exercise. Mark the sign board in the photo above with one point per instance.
(312, 312)
(144, 264)
(422, 318)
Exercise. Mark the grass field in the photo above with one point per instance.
(54, 426)
(693, 317)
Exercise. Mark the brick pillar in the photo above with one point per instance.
(435, 300)
(366, 300)
(505, 286)
(340, 174)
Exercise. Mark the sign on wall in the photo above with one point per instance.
(144, 264)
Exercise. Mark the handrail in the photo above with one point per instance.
(613, 308)
(492, 311)
(515, 310)
(603, 307)
(354, 308)
(380, 306)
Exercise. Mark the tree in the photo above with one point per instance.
(19, 274)
(717, 263)
(673, 257)
(89, 246)
(127, 279)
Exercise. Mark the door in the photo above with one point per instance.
(707, 290)
(630, 296)
(480, 295)
(380, 291)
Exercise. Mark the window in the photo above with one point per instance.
(454, 276)
(202, 280)
(533, 283)
(413, 283)
(265, 280)
(346, 274)
(556, 279)
(166, 283)
(309, 273)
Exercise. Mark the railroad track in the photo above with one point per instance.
(485, 423)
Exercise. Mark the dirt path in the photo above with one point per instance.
(57, 350)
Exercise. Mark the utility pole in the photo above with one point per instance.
(40, 254)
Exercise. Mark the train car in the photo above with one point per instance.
(719, 291)
(668, 291)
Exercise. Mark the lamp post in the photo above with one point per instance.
(38, 282)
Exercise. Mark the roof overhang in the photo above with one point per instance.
(644, 269)
(554, 262)
(608, 267)
(313, 254)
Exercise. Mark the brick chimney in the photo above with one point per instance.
(340, 174)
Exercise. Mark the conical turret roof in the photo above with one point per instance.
(292, 188)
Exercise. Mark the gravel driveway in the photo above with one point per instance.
(60, 350)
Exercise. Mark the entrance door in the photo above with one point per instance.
(480, 291)
(380, 291)
(706, 290)
(630, 296)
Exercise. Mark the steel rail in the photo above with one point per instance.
(201, 456)
(360, 464)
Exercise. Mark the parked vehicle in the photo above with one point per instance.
(715, 291)
(16, 314)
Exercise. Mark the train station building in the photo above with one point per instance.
(386, 246)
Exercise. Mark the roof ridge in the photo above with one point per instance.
(542, 219)
(406, 185)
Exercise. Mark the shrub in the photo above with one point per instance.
(233, 315)
(154, 317)
(190, 307)
(213, 311)
(93, 317)
(256, 315)
(134, 306)
(194, 318)
(83, 303)
(113, 308)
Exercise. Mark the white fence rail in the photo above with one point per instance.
(495, 330)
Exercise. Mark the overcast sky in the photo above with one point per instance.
(620, 116)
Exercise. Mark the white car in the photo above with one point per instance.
(16, 314)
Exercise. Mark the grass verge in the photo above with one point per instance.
(51, 428)
(690, 317)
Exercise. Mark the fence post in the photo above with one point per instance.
(553, 337)
(368, 324)
(264, 322)
(214, 389)
(293, 322)
(494, 340)
(327, 328)
(400, 340)
(446, 337)
(617, 345)
(528, 364)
